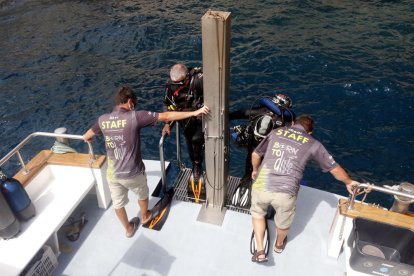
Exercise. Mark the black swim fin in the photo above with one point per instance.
(266, 241)
(160, 211)
(242, 195)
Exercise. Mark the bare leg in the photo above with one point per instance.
(143, 205)
(123, 217)
(281, 235)
(259, 226)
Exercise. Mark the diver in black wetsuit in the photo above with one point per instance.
(268, 114)
(184, 92)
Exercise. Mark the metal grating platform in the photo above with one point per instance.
(181, 190)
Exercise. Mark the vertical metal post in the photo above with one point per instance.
(216, 72)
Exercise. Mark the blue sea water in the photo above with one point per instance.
(350, 64)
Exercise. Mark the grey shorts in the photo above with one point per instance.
(284, 205)
(119, 189)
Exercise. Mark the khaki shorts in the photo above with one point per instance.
(284, 205)
(119, 189)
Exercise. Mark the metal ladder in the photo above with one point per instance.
(181, 182)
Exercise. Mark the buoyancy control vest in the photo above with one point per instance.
(262, 123)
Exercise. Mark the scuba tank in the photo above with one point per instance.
(17, 197)
(9, 225)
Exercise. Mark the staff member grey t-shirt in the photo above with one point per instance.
(286, 151)
(121, 129)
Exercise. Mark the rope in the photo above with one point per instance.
(214, 186)
(60, 148)
(366, 191)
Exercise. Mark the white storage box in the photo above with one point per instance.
(45, 265)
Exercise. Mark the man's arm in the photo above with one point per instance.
(256, 161)
(340, 174)
(88, 135)
(180, 115)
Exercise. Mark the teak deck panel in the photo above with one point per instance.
(378, 214)
(47, 157)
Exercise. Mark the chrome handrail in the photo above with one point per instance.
(162, 161)
(178, 147)
(376, 188)
(44, 134)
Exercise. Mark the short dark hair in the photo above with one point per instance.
(306, 121)
(123, 94)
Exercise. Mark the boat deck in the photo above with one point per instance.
(186, 246)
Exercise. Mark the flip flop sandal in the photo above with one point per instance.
(73, 232)
(279, 249)
(148, 219)
(65, 248)
(134, 221)
(256, 257)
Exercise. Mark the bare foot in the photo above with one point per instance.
(147, 217)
